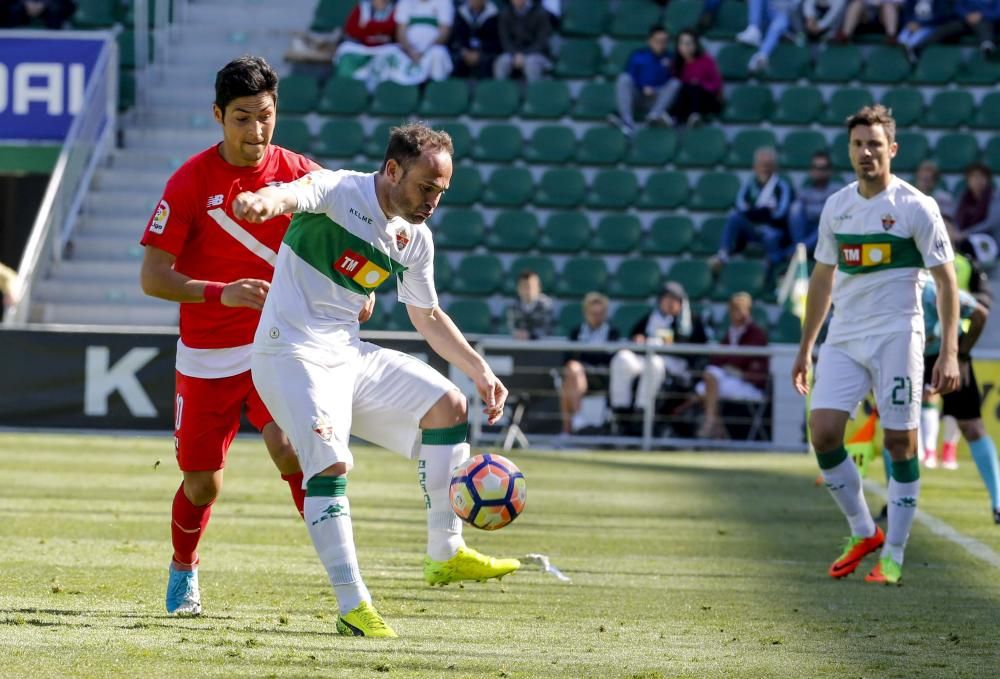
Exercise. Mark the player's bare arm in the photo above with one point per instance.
(977, 321)
(446, 339)
(267, 203)
(945, 377)
(159, 279)
(817, 306)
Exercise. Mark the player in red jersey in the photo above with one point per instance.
(219, 269)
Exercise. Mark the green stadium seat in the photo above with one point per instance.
(498, 143)
(445, 98)
(293, 134)
(987, 115)
(376, 143)
(682, 15)
(786, 330)
(701, 147)
(714, 191)
(844, 103)
(495, 99)
(459, 229)
(601, 146)
(669, 235)
(399, 318)
(550, 145)
(561, 188)
(635, 278)
(979, 71)
(745, 275)
(595, 101)
(665, 190)
(565, 232)
(513, 231)
(733, 62)
(949, 109)
(938, 65)
(626, 316)
(466, 185)
(731, 19)
(581, 275)
(508, 187)
(613, 190)
(956, 151)
(748, 104)
(299, 94)
(886, 64)
(745, 144)
(913, 147)
(340, 139)
(837, 64)
(578, 58)
(798, 106)
(340, 97)
(706, 242)
(652, 147)
(330, 15)
(393, 99)
(443, 272)
(907, 104)
(126, 49)
(788, 63)
(616, 234)
(616, 60)
(991, 154)
(477, 275)
(126, 89)
(694, 275)
(472, 316)
(570, 318)
(584, 19)
(797, 148)
(543, 266)
(461, 137)
(95, 13)
(839, 154)
(546, 100)
(634, 18)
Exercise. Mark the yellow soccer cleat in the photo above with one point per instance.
(364, 621)
(467, 564)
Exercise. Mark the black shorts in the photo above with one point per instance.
(966, 402)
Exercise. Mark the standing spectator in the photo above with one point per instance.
(423, 29)
(733, 378)
(768, 20)
(803, 224)
(977, 217)
(531, 316)
(920, 20)
(974, 17)
(581, 370)
(525, 28)
(647, 76)
(870, 14)
(475, 42)
(761, 213)
(700, 93)
(46, 13)
(821, 19)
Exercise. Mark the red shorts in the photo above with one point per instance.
(207, 418)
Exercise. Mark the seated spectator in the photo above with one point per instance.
(709, 12)
(475, 41)
(648, 78)
(422, 31)
(928, 180)
(525, 28)
(669, 322)
(974, 17)
(531, 316)
(821, 19)
(700, 93)
(920, 20)
(579, 371)
(870, 15)
(767, 22)
(803, 223)
(977, 215)
(761, 214)
(733, 378)
(42, 13)
(371, 24)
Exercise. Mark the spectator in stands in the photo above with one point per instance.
(475, 42)
(821, 19)
(761, 213)
(920, 19)
(709, 12)
(9, 288)
(370, 25)
(648, 77)
(700, 93)
(423, 28)
(768, 21)
(43, 13)
(870, 14)
(733, 378)
(586, 369)
(531, 316)
(803, 223)
(928, 180)
(971, 17)
(525, 28)
(977, 216)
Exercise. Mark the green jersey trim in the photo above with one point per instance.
(426, 21)
(870, 252)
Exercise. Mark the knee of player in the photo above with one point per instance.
(572, 368)
(972, 430)
(202, 488)
(824, 437)
(450, 410)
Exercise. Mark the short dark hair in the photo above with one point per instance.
(657, 28)
(821, 154)
(408, 141)
(870, 116)
(526, 274)
(981, 168)
(699, 49)
(244, 77)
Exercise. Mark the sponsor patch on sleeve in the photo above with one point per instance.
(161, 217)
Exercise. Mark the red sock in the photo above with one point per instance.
(186, 529)
(298, 495)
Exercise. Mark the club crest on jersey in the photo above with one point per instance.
(887, 221)
(322, 428)
(360, 269)
(159, 222)
(402, 239)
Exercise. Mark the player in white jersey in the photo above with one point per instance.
(876, 235)
(322, 383)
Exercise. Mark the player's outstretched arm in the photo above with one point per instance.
(159, 279)
(446, 339)
(817, 306)
(945, 375)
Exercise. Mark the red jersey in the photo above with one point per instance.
(194, 222)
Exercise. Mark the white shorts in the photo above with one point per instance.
(731, 387)
(378, 394)
(891, 365)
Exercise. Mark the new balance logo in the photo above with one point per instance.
(214, 201)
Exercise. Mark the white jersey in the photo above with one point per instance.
(880, 246)
(423, 19)
(333, 257)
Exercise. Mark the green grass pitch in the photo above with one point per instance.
(683, 565)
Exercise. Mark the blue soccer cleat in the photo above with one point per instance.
(183, 596)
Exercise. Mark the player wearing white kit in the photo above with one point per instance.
(875, 237)
(322, 383)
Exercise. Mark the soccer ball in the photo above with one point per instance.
(488, 491)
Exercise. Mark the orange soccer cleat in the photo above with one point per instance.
(856, 549)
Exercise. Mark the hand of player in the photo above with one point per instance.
(246, 292)
(254, 208)
(368, 309)
(493, 393)
(800, 372)
(945, 377)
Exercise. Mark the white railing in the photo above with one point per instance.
(89, 139)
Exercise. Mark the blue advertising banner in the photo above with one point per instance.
(43, 76)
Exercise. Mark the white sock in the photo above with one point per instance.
(328, 517)
(844, 484)
(930, 419)
(902, 510)
(949, 429)
(441, 451)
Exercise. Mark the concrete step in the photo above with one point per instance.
(182, 141)
(73, 271)
(105, 314)
(120, 203)
(105, 248)
(288, 15)
(144, 180)
(139, 159)
(92, 292)
(129, 228)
